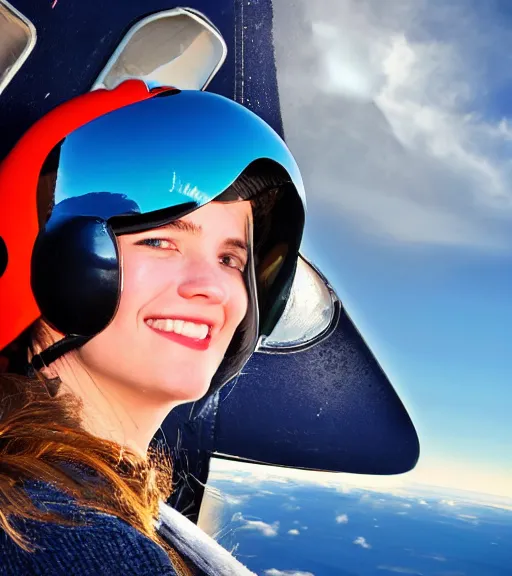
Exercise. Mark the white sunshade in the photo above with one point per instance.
(17, 39)
(179, 48)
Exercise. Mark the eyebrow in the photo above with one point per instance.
(196, 230)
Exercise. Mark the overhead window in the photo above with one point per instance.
(17, 39)
(178, 47)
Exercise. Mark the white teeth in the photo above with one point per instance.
(189, 329)
(165, 325)
(199, 331)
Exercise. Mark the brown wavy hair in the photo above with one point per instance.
(41, 430)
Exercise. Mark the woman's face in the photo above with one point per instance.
(182, 299)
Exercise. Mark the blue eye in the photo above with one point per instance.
(233, 262)
(162, 243)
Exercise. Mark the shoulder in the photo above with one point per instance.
(99, 545)
(193, 543)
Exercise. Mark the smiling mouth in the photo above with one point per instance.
(195, 330)
(194, 335)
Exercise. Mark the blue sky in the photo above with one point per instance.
(404, 136)
(439, 321)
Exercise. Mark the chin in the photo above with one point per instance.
(190, 390)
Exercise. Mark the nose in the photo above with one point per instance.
(202, 280)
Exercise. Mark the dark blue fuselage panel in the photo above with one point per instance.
(76, 39)
(330, 407)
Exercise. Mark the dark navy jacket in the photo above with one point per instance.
(108, 546)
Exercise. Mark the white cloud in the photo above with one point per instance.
(386, 120)
(436, 557)
(252, 476)
(275, 572)
(469, 518)
(360, 541)
(219, 496)
(264, 528)
(431, 482)
(400, 570)
(342, 519)
(293, 532)
(342, 489)
(290, 507)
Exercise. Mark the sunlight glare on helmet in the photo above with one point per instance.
(178, 47)
(308, 315)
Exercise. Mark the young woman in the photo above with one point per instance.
(150, 240)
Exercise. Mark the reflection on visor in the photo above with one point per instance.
(182, 148)
(269, 268)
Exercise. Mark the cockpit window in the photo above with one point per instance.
(178, 47)
(17, 39)
(309, 314)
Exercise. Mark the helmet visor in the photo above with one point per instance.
(178, 149)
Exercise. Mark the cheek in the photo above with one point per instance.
(142, 281)
(239, 302)
(122, 333)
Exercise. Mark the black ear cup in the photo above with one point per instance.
(3, 256)
(76, 277)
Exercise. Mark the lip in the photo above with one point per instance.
(194, 343)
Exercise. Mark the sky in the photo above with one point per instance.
(295, 523)
(400, 117)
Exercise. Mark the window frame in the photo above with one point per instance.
(265, 345)
(4, 82)
(179, 11)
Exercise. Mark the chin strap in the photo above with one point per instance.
(68, 343)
